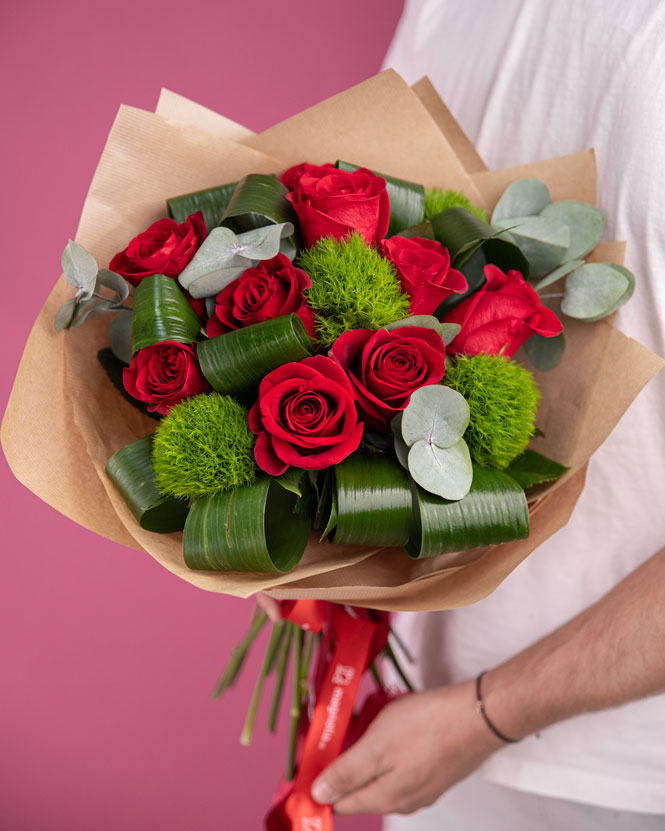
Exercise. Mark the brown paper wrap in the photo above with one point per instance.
(64, 418)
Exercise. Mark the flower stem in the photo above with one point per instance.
(239, 654)
(248, 729)
(388, 650)
(296, 704)
(376, 674)
(405, 649)
(282, 664)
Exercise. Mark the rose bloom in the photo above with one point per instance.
(305, 416)
(334, 203)
(164, 374)
(165, 248)
(423, 267)
(271, 289)
(499, 317)
(386, 367)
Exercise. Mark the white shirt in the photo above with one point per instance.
(529, 80)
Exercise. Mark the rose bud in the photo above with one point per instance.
(271, 289)
(499, 317)
(164, 374)
(423, 267)
(334, 203)
(386, 367)
(305, 416)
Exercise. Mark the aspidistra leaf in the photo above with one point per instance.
(161, 312)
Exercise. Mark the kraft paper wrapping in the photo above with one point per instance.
(65, 419)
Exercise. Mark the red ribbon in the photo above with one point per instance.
(356, 644)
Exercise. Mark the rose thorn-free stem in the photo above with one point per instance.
(296, 705)
(248, 729)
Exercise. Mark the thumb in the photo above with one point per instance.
(352, 770)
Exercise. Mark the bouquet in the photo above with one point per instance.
(343, 376)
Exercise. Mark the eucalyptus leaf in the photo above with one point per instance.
(426, 321)
(450, 331)
(558, 273)
(224, 256)
(494, 511)
(526, 197)
(65, 314)
(435, 414)
(96, 307)
(585, 222)
(532, 468)
(120, 336)
(114, 282)
(545, 353)
(595, 290)
(401, 451)
(80, 269)
(544, 241)
(445, 471)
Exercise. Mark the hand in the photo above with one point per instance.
(416, 748)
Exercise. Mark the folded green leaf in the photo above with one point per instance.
(494, 511)
(224, 256)
(585, 223)
(258, 200)
(545, 353)
(254, 528)
(422, 229)
(371, 502)
(161, 312)
(236, 362)
(526, 197)
(532, 468)
(212, 202)
(131, 471)
(595, 290)
(407, 201)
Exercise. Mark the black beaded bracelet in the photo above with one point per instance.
(481, 709)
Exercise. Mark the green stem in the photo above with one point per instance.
(388, 650)
(376, 674)
(246, 735)
(282, 664)
(296, 703)
(405, 649)
(239, 654)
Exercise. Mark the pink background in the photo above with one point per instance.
(108, 660)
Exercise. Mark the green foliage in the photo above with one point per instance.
(204, 445)
(437, 200)
(353, 287)
(503, 398)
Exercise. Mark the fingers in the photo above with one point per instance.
(270, 606)
(349, 773)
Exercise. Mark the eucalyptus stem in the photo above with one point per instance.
(296, 704)
(239, 654)
(390, 654)
(404, 648)
(246, 735)
(282, 664)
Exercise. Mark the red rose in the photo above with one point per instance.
(271, 289)
(164, 374)
(305, 416)
(504, 313)
(423, 266)
(334, 203)
(165, 248)
(291, 177)
(386, 367)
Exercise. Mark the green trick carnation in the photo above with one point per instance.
(204, 445)
(437, 200)
(353, 287)
(503, 399)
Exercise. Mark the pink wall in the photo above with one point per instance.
(108, 660)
